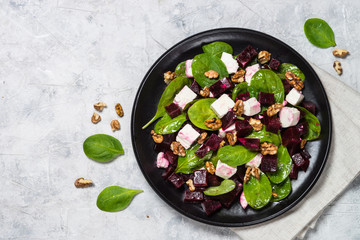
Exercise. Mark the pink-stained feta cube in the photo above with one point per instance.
(243, 201)
(294, 97)
(251, 107)
(185, 96)
(255, 162)
(284, 103)
(188, 69)
(230, 63)
(289, 117)
(187, 135)
(224, 171)
(222, 105)
(161, 161)
(250, 71)
(222, 133)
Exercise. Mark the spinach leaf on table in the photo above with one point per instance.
(319, 33)
(168, 125)
(168, 97)
(115, 198)
(282, 190)
(102, 147)
(288, 67)
(191, 161)
(267, 81)
(225, 186)
(314, 125)
(284, 164)
(200, 111)
(217, 48)
(266, 136)
(235, 155)
(258, 193)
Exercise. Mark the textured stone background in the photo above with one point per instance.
(57, 58)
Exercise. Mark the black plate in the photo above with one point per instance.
(149, 94)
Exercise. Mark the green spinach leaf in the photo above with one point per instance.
(238, 89)
(288, 67)
(267, 81)
(217, 48)
(191, 161)
(319, 33)
(314, 125)
(115, 198)
(235, 155)
(200, 111)
(266, 136)
(102, 147)
(284, 164)
(168, 125)
(168, 97)
(205, 62)
(258, 193)
(180, 70)
(225, 186)
(282, 190)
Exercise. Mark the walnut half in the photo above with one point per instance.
(99, 106)
(210, 167)
(274, 109)
(177, 149)
(238, 108)
(213, 123)
(294, 81)
(211, 74)
(169, 76)
(337, 67)
(256, 124)
(232, 138)
(202, 138)
(115, 125)
(156, 137)
(238, 77)
(190, 183)
(82, 183)
(119, 110)
(268, 149)
(264, 57)
(95, 118)
(338, 52)
(205, 92)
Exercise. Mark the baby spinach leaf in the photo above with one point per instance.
(217, 48)
(235, 155)
(205, 62)
(282, 190)
(225, 186)
(258, 192)
(319, 33)
(115, 198)
(168, 125)
(102, 147)
(191, 161)
(265, 136)
(168, 96)
(238, 89)
(288, 67)
(214, 159)
(267, 81)
(314, 125)
(180, 69)
(200, 111)
(284, 164)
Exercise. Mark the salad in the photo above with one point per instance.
(233, 129)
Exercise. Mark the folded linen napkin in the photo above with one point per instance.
(342, 162)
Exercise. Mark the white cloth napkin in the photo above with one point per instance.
(341, 168)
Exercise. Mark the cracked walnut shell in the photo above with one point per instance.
(99, 106)
(337, 67)
(177, 149)
(156, 137)
(274, 109)
(211, 74)
(213, 123)
(82, 183)
(264, 57)
(338, 52)
(95, 118)
(256, 124)
(115, 125)
(268, 149)
(238, 77)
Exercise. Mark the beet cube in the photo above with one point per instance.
(310, 106)
(273, 125)
(265, 66)
(305, 154)
(294, 172)
(210, 206)
(253, 144)
(246, 56)
(173, 110)
(220, 86)
(176, 180)
(228, 119)
(274, 64)
(287, 86)
(266, 98)
(303, 127)
(291, 140)
(229, 198)
(241, 170)
(168, 171)
(187, 176)
(195, 87)
(298, 160)
(202, 151)
(171, 157)
(193, 197)
(200, 178)
(265, 118)
(243, 128)
(165, 144)
(213, 180)
(269, 163)
(306, 165)
(243, 96)
(213, 142)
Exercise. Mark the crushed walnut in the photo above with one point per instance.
(303, 143)
(211, 74)
(177, 149)
(294, 81)
(256, 124)
(119, 110)
(210, 167)
(156, 137)
(232, 138)
(95, 118)
(338, 52)
(255, 172)
(222, 143)
(337, 67)
(115, 125)
(238, 108)
(82, 183)
(202, 138)
(169, 76)
(264, 57)
(247, 175)
(190, 183)
(205, 92)
(268, 149)
(99, 106)
(238, 77)
(213, 123)
(274, 194)
(274, 109)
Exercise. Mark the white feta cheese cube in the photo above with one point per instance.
(188, 69)
(224, 171)
(185, 96)
(251, 107)
(294, 97)
(187, 135)
(243, 201)
(161, 161)
(289, 117)
(255, 162)
(230, 63)
(222, 133)
(222, 105)
(250, 71)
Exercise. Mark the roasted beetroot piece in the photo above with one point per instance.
(273, 125)
(265, 66)
(171, 157)
(168, 171)
(228, 119)
(243, 128)
(302, 114)
(310, 106)
(274, 64)
(266, 98)
(246, 56)
(165, 144)
(265, 118)
(220, 86)
(202, 151)
(200, 178)
(298, 160)
(176, 180)
(305, 154)
(210, 206)
(243, 96)
(241, 170)
(306, 165)
(193, 197)
(213, 142)
(287, 86)
(302, 127)
(253, 144)
(291, 140)
(269, 163)
(229, 198)
(195, 87)
(294, 172)
(173, 110)
(186, 176)
(213, 180)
